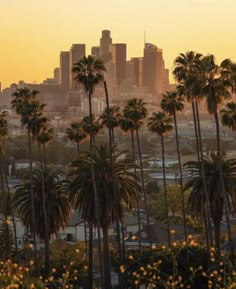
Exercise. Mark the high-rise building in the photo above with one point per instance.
(119, 61)
(57, 75)
(77, 52)
(65, 69)
(105, 46)
(153, 68)
(134, 70)
(95, 52)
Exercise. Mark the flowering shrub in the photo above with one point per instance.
(180, 266)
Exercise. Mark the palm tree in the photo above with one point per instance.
(6, 240)
(43, 134)
(127, 125)
(91, 128)
(90, 72)
(215, 89)
(171, 103)
(76, 133)
(228, 115)
(197, 197)
(161, 123)
(189, 75)
(25, 104)
(111, 119)
(136, 111)
(121, 175)
(57, 203)
(3, 134)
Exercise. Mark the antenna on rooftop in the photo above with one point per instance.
(144, 38)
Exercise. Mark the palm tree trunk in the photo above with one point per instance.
(96, 201)
(181, 177)
(2, 183)
(32, 204)
(226, 200)
(195, 129)
(85, 238)
(209, 239)
(85, 227)
(90, 260)
(111, 141)
(106, 259)
(139, 220)
(113, 136)
(46, 230)
(13, 219)
(165, 191)
(143, 188)
(217, 237)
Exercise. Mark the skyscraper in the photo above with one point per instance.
(65, 69)
(134, 70)
(119, 61)
(153, 68)
(77, 52)
(95, 52)
(105, 46)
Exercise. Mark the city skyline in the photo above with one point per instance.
(33, 34)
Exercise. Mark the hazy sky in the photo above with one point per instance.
(34, 32)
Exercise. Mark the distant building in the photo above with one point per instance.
(65, 69)
(105, 46)
(95, 52)
(134, 69)
(153, 68)
(119, 61)
(57, 75)
(77, 52)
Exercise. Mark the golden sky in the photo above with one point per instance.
(34, 32)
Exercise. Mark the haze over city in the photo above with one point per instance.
(34, 33)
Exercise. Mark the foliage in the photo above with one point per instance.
(89, 71)
(157, 202)
(6, 240)
(66, 257)
(58, 207)
(80, 185)
(181, 266)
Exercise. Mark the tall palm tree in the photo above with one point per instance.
(42, 135)
(7, 237)
(171, 103)
(215, 89)
(76, 133)
(127, 125)
(228, 115)
(57, 203)
(90, 72)
(80, 187)
(91, 128)
(136, 111)
(189, 75)
(26, 105)
(197, 197)
(161, 123)
(111, 119)
(3, 134)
